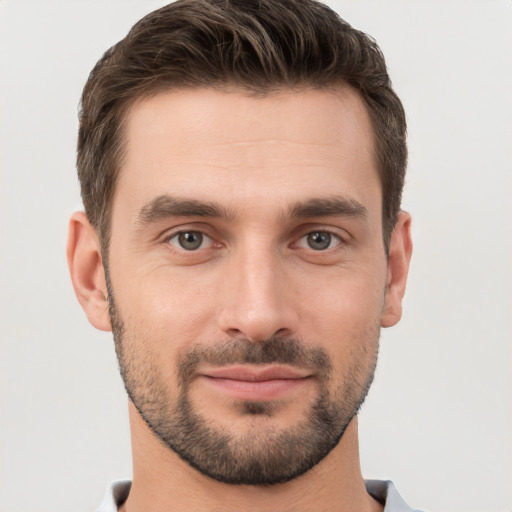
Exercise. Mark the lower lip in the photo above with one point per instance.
(256, 390)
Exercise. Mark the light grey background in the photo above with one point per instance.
(439, 417)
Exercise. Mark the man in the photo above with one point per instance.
(241, 166)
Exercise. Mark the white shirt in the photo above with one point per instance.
(383, 491)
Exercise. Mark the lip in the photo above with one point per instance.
(252, 373)
(256, 383)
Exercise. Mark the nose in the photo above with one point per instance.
(257, 297)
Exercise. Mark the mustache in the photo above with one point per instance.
(277, 350)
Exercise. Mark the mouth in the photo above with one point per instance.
(256, 383)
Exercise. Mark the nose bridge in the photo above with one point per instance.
(257, 303)
(259, 277)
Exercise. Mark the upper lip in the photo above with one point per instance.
(251, 373)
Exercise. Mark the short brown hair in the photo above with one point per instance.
(258, 45)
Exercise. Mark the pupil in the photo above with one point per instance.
(191, 240)
(319, 240)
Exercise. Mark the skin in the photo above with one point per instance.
(254, 277)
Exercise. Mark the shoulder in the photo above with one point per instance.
(385, 492)
(116, 495)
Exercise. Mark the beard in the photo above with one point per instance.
(263, 455)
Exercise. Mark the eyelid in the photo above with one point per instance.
(335, 231)
(198, 227)
(205, 230)
(336, 236)
(206, 240)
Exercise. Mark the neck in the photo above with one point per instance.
(163, 482)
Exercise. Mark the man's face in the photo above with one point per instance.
(247, 275)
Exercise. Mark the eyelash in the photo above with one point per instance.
(177, 234)
(180, 249)
(200, 254)
(332, 237)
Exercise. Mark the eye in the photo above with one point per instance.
(190, 240)
(319, 240)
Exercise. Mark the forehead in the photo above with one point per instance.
(201, 142)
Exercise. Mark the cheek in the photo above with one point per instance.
(345, 314)
(169, 309)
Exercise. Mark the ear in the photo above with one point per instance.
(87, 272)
(400, 251)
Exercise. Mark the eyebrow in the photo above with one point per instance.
(166, 206)
(328, 206)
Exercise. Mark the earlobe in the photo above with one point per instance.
(87, 272)
(400, 251)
